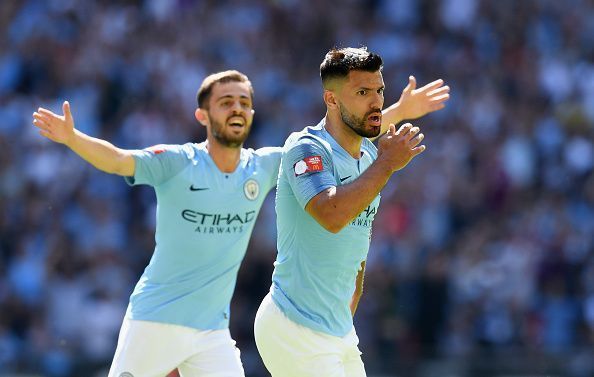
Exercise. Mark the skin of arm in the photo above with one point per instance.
(99, 153)
(358, 289)
(335, 207)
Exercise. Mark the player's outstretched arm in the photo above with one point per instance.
(358, 289)
(99, 153)
(335, 207)
(415, 103)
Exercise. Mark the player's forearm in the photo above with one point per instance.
(391, 114)
(338, 206)
(102, 154)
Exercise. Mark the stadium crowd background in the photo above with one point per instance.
(482, 259)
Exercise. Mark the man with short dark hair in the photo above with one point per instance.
(327, 196)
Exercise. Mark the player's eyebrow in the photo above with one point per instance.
(366, 88)
(226, 96)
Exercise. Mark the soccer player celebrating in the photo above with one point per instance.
(327, 195)
(208, 197)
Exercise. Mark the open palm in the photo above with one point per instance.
(414, 103)
(58, 128)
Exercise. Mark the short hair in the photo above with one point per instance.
(339, 62)
(223, 77)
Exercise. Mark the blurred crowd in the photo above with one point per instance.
(482, 258)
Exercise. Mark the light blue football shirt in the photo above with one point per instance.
(204, 221)
(315, 270)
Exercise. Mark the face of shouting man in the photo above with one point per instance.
(360, 100)
(229, 114)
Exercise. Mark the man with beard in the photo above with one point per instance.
(208, 197)
(327, 195)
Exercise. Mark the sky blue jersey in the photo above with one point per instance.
(204, 221)
(315, 270)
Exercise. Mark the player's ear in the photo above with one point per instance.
(201, 116)
(330, 99)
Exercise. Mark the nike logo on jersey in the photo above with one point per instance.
(345, 178)
(192, 188)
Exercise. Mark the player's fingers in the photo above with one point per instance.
(440, 99)
(39, 116)
(66, 109)
(416, 140)
(431, 86)
(403, 130)
(412, 84)
(391, 129)
(46, 112)
(41, 124)
(45, 133)
(412, 133)
(418, 150)
(439, 91)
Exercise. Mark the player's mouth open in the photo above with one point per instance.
(375, 120)
(236, 122)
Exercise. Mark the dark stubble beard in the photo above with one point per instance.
(358, 124)
(216, 129)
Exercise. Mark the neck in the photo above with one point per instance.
(348, 139)
(225, 158)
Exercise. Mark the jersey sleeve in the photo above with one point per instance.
(308, 168)
(270, 158)
(157, 164)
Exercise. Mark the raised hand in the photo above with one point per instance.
(398, 148)
(414, 103)
(58, 128)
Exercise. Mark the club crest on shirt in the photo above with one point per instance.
(251, 189)
(308, 164)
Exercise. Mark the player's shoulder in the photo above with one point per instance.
(312, 136)
(266, 157)
(267, 152)
(188, 150)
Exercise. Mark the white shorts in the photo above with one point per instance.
(291, 350)
(153, 349)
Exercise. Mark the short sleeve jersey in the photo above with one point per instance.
(204, 221)
(315, 270)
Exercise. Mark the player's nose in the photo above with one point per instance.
(377, 101)
(237, 108)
